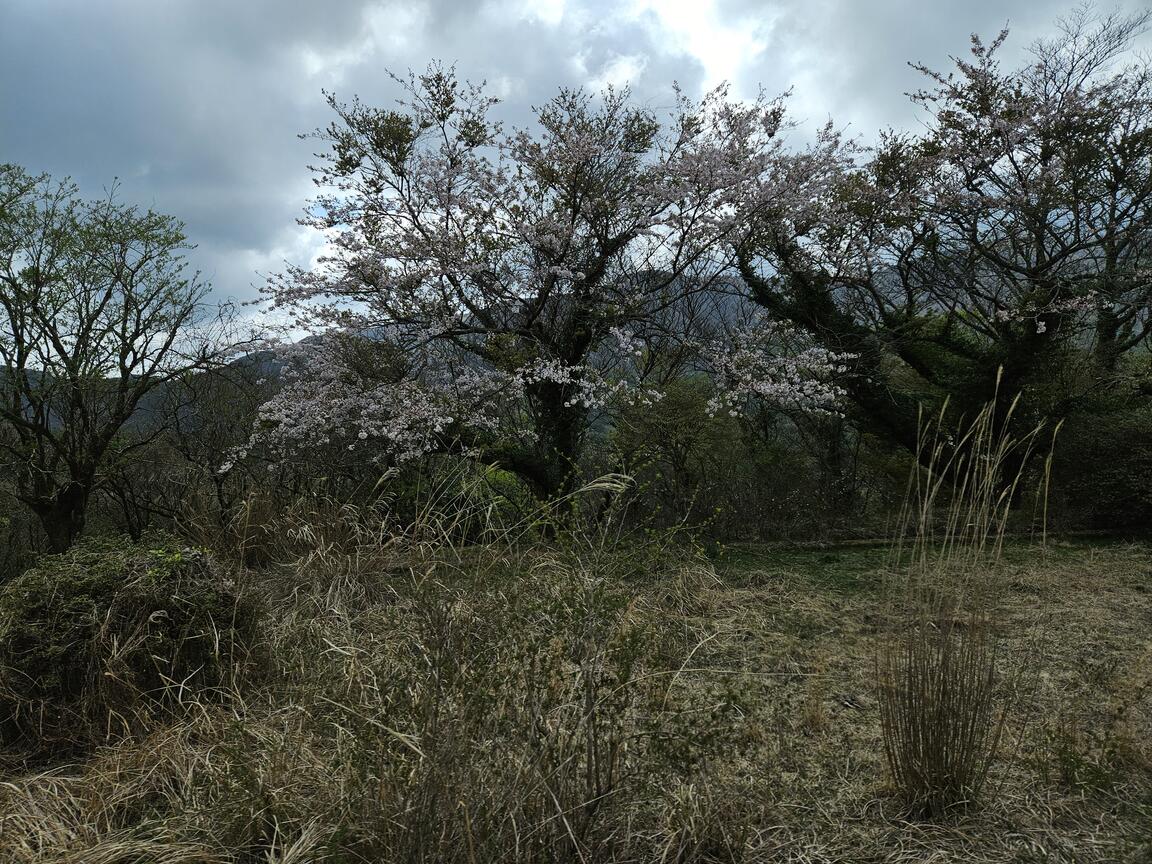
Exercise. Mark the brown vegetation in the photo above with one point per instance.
(426, 700)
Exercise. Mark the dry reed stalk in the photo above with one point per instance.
(943, 699)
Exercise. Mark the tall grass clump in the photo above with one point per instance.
(944, 693)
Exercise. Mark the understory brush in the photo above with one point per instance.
(422, 696)
(422, 700)
(113, 638)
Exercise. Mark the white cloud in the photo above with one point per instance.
(724, 47)
(550, 12)
(618, 72)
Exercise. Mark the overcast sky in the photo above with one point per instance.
(195, 105)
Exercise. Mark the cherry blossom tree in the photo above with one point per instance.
(486, 291)
(1015, 232)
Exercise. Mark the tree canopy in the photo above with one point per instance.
(96, 312)
(1013, 232)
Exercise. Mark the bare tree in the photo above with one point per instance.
(96, 313)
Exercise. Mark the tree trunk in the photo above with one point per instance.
(62, 515)
(1107, 350)
(560, 431)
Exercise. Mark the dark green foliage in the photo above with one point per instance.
(103, 639)
(1102, 473)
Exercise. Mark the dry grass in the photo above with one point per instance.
(943, 689)
(593, 702)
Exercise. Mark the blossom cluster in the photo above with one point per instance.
(1065, 306)
(752, 365)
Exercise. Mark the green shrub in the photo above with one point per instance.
(104, 639)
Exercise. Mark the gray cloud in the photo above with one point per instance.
(196, 105)
(850, 60)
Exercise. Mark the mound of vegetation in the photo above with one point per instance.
(104, 639)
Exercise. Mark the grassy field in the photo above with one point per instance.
(1075, 779)
(587, 703)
